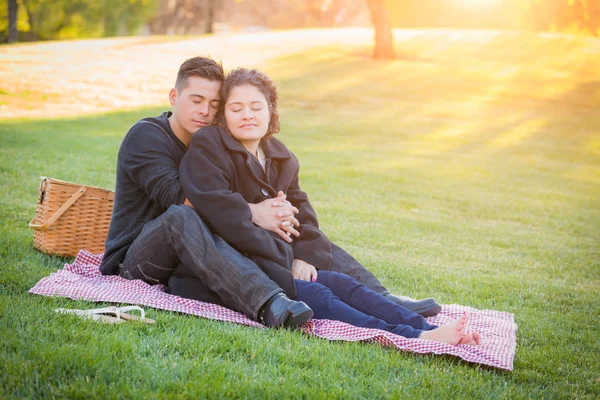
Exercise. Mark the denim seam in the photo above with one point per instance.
(148, 278)
(157, 266)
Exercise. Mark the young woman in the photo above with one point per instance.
(240, 162)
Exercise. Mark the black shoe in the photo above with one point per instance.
(280, 311)
(426, 307)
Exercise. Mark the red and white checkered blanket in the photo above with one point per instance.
(82, 280)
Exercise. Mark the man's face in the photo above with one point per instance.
(197, 104)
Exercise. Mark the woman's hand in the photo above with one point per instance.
(276, 215)
(303, 271)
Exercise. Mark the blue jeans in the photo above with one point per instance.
(339, 297)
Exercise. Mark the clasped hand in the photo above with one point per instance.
(276, 215)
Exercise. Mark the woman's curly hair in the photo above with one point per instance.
(244, 76)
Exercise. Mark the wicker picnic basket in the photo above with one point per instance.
(70, 217)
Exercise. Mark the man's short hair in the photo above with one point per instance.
(203, 67)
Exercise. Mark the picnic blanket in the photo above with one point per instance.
(82, 280)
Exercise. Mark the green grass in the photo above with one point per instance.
(468, 174)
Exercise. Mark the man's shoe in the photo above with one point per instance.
(281, 312)
(426, 307)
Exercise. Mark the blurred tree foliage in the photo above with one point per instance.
(456, 13)
(581, 16)
(180, 17)
(576, 16)
(327, 13)
(281, 14)
(65, 19)
(68, 19)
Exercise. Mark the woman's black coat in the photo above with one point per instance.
(220, 177)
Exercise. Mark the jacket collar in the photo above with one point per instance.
(273, 148)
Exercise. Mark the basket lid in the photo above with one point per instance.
(46, 183)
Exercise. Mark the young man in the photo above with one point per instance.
(155, 237)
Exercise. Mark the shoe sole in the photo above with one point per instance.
(430, 311)
(297, 314)
(424, 307)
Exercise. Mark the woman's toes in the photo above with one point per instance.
(467, 339)
(471, 338)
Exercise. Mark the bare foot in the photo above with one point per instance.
(452, 333)
(471, 338)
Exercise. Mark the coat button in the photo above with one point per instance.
(264, 192)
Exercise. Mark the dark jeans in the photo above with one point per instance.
(183, 283)
(339, 297)
(178, 239)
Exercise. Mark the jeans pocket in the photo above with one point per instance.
(148, 272)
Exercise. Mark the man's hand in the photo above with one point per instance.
(304, 271)
(276, 215)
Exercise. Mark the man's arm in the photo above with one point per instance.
(276, 215)
(147, 159)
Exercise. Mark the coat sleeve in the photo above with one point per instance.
(206, 180)
(145, 157)
(312, 246)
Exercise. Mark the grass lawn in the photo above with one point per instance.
(467, 172)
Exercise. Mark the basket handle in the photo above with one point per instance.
(59, 212)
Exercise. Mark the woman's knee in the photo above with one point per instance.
(312, 292)
(334, 279)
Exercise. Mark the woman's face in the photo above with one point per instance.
(247, 114)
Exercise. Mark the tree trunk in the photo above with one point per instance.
(12, 21)
(384, 41)
(210, 16)
(32, 35)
